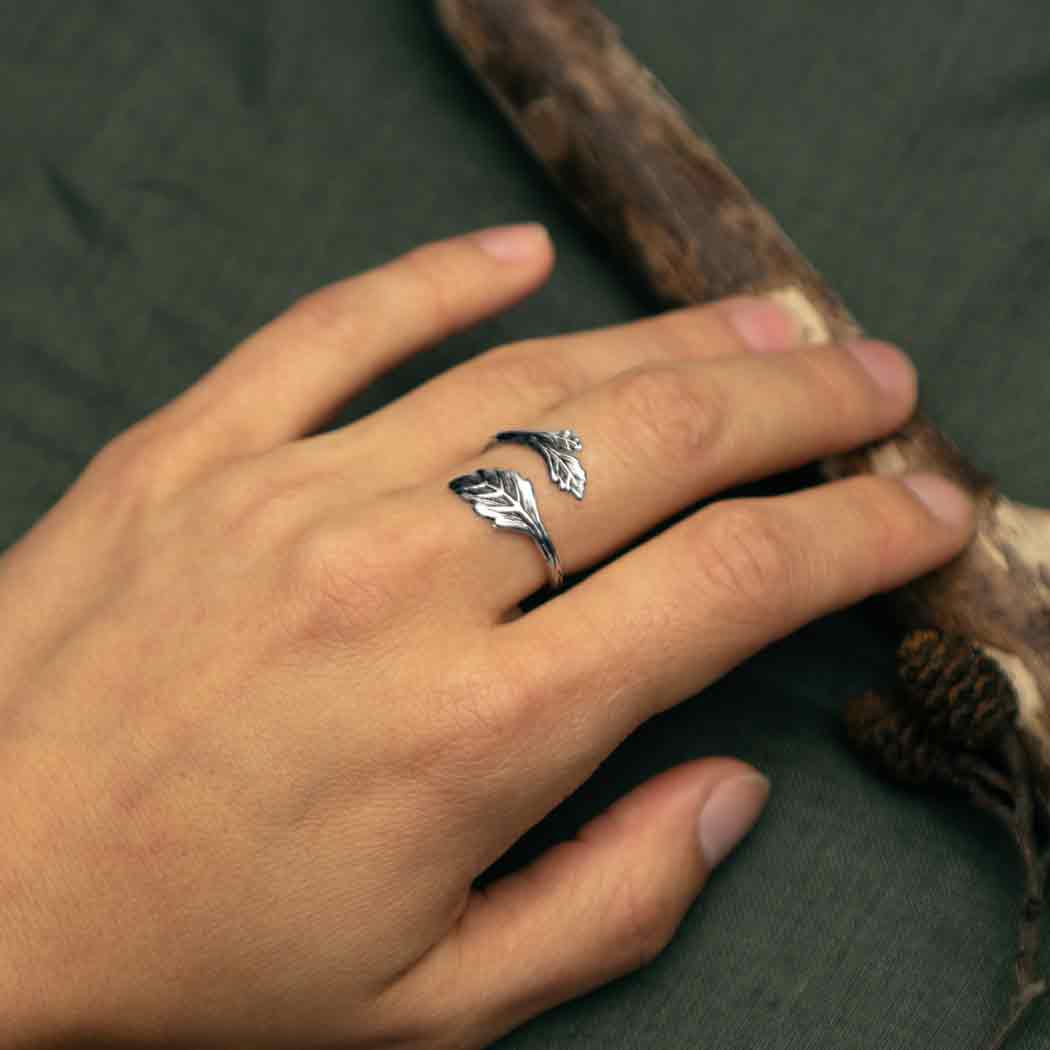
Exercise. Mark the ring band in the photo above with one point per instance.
(507, 500)
(557, 448)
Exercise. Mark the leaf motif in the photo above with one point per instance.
(502, 496)
(508, 500)
(565, 471)
(557, 448)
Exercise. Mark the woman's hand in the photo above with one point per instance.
(268, 703)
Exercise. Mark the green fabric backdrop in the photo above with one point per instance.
(173, 174)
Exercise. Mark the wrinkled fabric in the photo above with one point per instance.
(171, 176)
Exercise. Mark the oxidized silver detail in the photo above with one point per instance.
(557, 448)
(507, 499)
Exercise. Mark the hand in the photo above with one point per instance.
(269, 704)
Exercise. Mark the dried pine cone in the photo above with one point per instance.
(957, 691)
(896, 742)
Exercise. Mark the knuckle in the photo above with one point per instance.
(666, 409)
(691, 330)
(345, 580)
(420, 283)
(890, 521)
(117, 457)
(258, 508)
(529, 368)
(643, 920)
(746, 565)
(835, 381)
(322, 310)
(426, 284)
(130, 470)
(365, 573)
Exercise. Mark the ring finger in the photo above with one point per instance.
(657, 440)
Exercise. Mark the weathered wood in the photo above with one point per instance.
(620, 147)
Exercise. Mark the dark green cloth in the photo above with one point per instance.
(172, 175)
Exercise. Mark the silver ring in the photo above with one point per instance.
(557, 448)
(507, 500)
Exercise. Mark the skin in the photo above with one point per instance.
(268, 703)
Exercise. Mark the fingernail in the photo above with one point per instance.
(893, 372)
(941, 497)
(729, 813)
(513, 243)
(764, 325)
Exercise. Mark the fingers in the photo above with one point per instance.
(592, 909)
(292, 375)
(665, 620)
(505, 387)
(657, 440)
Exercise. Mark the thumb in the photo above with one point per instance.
(601, 905)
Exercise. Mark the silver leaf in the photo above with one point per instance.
(557, 448)
(508, 500)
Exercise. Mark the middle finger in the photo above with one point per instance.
(456, 411)
(657, 440)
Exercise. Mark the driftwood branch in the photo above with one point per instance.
(621, 149)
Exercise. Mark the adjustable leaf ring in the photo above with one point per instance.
(508, 501)
(507, 498)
